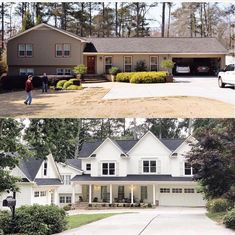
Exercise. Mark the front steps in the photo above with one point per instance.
(93, 78)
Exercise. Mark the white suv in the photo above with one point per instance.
(227, 76)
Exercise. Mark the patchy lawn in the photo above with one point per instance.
(217, 217)
(89, 103)
(75, 221)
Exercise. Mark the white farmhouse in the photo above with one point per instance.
(148, 170)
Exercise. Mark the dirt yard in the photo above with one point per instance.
(88, 103)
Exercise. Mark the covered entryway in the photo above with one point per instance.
(91, 64)
(198, 66)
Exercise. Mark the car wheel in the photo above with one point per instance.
(220, 82)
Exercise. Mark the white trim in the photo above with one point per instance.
(149, 132)
(49, 26)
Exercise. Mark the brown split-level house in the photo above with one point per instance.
(45, 48)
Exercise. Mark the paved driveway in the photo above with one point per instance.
(184, 86)
(162, 221)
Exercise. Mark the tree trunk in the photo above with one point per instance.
(116, 19)
(137, 18)
(169, 19)
(163, 19)
(90, 19)
(2, 13)
(82, 19)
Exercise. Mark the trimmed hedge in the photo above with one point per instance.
(74, 87)
(67, 84)
(5, 222)
(219, 205)
(142, 77)
(60, 84)
(229, 219)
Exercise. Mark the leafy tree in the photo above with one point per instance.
(27, 21)
(213, 157)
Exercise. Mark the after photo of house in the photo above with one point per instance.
(119, 169)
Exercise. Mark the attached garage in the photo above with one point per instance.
(180, 196)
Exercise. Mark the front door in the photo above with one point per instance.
(91, 61)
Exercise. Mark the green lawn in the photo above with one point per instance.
(218, 216)
(75, 221)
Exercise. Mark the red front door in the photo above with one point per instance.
(91, 64)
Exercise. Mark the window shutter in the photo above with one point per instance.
(117, 169)
(99, 169)
(158, 167)
(181, 167)
(140, 166)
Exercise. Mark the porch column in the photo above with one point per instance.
(73, 193)
(90, 191)
(110, 193)
(154, 195)
(132, 194)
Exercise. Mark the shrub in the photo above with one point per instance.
(67, 207)
(167, 64)
(148, 77)
(74, 87)
(113, 70)
(140, 66)
(67, 84)
(5, 222)
(60, 83)
(75, 81)
(41, 220)
(80, 69)
(219, 205)
(123, 77)
(229, 219)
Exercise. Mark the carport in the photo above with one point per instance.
(214, 64)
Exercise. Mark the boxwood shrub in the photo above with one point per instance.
(40, 220)
(60, 84)
(219, 205)
(142, 77)
(229, 219)
(74, 87)
(67, 84)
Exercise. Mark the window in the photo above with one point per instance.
(62, 199)
(153, 63)
(59, 50)
(25, 50)
(149, 166)
(177, 190)
(88, 166)
(108, 63)
(108, 168)
(65, 199)
(230, 67)
(45, 168)
(144, 192)
(66, 179)
(164, 190)
(189, 190)
(43, 193)
(26, 71)
(66, 50)
(67, 71)
(63, 71)
(59, 71)
(36, 194)
(127, 63)
(188, 170)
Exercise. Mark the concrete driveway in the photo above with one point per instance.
(162, 221)
(206, 87)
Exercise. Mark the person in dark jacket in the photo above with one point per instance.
(44, 83)
(28, 89)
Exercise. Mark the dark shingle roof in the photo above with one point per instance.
(89, 147)
(76, 163)
(86, 177)
(30, 167)
(48, 181)
(155, 45)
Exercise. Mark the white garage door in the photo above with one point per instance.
(180, 197)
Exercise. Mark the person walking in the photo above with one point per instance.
(28, 89)
(44, 83)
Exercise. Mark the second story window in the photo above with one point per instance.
(66, 179)
(188, 170)
(108, 168)
(88, 166)
(25, 50)
(45, 168)
(149, 166)
(63, 50)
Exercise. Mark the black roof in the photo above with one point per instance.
(90, 146)
(76, 163)
(87, 177)
(48, 181)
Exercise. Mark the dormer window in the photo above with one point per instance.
(188, 170)
(108, 168)
(45, 168)
(88, 167)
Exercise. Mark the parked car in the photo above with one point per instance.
(202, 69)
(227, 76)
(182, 68)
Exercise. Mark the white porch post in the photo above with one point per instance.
(132, 194)
(110, 193)
(154, 195)
(73, 193)
(56, 197)
(90, 192)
